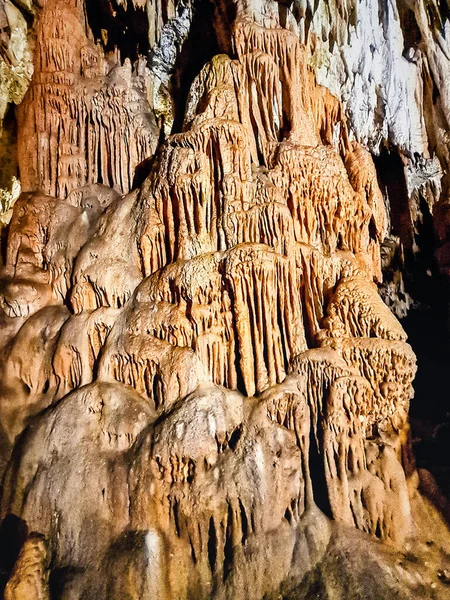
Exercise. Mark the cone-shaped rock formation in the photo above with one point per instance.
(202, 394)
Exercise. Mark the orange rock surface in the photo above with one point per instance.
(201, 389)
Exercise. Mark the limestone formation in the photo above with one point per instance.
(76, 106)
(202, 393)
(29, 579)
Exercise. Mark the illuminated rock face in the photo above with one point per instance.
(202, 393)
(83, 120)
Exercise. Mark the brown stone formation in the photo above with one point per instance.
(85, 118)
(202, 393)
(29, 579)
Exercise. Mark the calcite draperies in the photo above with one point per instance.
(200, 361)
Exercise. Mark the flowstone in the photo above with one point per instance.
(202, 393)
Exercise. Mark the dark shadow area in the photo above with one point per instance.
(427, 326)
(411, 31)
(142, 171)
(61, 579)
(198, 48)
(8, 166)
(427, 322)
(391, 179)
(3, 244)
(430, 408)
(119, 26)
(318, 481)
(13, 533)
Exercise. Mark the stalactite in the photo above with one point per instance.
(31, 572)
(76, 105)
(192, 368)
(366, 482)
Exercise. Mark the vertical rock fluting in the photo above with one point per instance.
(201, 389)
(84, 119)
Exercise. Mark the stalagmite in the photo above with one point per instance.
(76, 105)
(366, 482)
(202, 394)
(31, 572)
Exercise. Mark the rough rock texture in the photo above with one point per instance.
(202, 393)
(82, 120)
(16, 69)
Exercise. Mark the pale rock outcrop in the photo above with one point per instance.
(109, 419)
